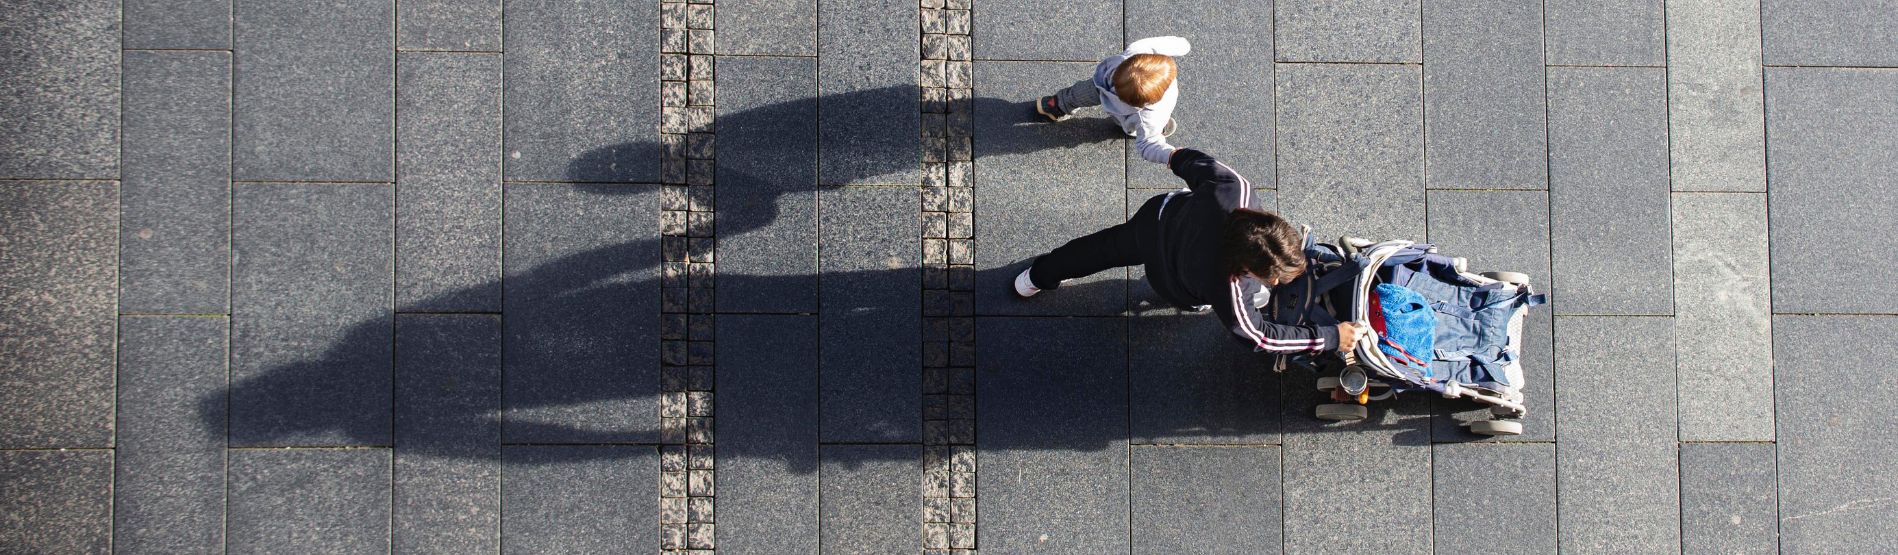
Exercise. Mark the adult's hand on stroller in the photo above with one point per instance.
(1349, 333)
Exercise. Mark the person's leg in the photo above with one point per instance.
(1087, 255)
(1064, 102)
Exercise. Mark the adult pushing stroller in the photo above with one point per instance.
(1467, 325)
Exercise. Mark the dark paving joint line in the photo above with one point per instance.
(948, 231)
(687, 371)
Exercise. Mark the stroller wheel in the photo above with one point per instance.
(1342, 412)
(1497, 427)
(1327, 383)
(1517, 278)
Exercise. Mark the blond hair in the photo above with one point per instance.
(1144, 78)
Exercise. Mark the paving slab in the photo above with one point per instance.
(1721, 279)
(1053, 441)
(1617, 469)
(1376, 471)
(460, 25)
(1384, 31)
(447, 433)
(1606, 33)
(1206, 500)
(313, 368)
(315, 91)
(580, 499)
(448, 182)
(1225, 85)
(1077, 31)
(57, 299)
(868, 498)
(1608, 191)
(1039, 185)
(194, 24)
(308, 501)
(59, 105)
(871, 254)
(1351, 149)
(1477, 486)
(767, 176)
(1830, 32)
(1716, 120)
(56, 501)
(1833, 145)
(582, 304)
(1729, 499)
(1505, 231)
(1835, 464)
(1485, 115)
(169, 490)
(1193, 382)
(175, 253)
(767, 434)
(575, 68)
(869, 130)
(767, 27)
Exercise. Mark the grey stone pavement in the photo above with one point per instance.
(450, 276)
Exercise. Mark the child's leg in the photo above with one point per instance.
(1080, 95)
(1109, 248)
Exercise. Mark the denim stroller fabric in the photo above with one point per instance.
(1410, 324)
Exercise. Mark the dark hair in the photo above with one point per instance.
(1262, 243)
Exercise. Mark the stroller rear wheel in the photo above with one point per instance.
(1342, 412)
(1497, 427)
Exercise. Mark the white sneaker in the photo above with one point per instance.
(1025, 287)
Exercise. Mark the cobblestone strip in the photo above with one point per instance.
(948, 281)
(686, 484)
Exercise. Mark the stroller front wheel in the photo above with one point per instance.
(1497, 427)
(1342, 412)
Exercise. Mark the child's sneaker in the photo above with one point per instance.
(1171, 126)
(1050, 106)
(1025, 287)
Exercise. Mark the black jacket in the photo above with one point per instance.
(1184, 257)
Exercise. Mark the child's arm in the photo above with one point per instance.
(1148, 140)
(1165, 46)
(1250, 327)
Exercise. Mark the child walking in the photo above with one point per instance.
(1207, 244)
(1136, 87)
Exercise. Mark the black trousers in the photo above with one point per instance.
(1099, 251)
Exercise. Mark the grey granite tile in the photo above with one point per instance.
(1477, 486)
(767, 176)
(1720, 277)
(1376, 471)
(59, 105)
(308, 501)
(57, 298)
(1053, 436)
(1039, 185)
(1206, 500)
(447, 433)
(314, 105)
(1193, 382)
(1386, 31)
(1605, 33)
(1608, 190)
(1830, 32)
(582, 304)
(1081, 30)
(1225, 85)
(56, 501)
(868, 497)
(448, 182)
(767, 27)
(870, 130)
(169, 491)
(580, 499)
(1617, 469)
(1505, 231)
(1485, 114)
(449, 25)
(1716, 121)
(1833, 140)
(175, 253)
(1836, 431)
(767, 434)
(1351, 149)
(583, 92)
(310, 325)
(871, 251)
(177, 23)
(1729, 498)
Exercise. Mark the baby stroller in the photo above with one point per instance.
(1473, 350)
